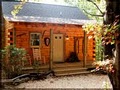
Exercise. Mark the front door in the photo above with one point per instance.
(58, 48)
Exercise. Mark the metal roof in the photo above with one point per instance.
(48, 13)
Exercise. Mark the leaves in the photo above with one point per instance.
(13, 59)
(89, 7)
(17, 8)
(106, 32)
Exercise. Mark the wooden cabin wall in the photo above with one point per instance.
(9, 32)
(22, 38)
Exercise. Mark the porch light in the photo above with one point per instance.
(67, 38)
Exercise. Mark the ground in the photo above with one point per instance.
(86, 81)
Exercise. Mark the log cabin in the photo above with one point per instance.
(49, 33)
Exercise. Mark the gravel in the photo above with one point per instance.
(88, 81)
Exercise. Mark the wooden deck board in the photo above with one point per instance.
(62, 68)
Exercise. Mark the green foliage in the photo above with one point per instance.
(17, 8)
(36, 65)
(90, 8)
(99, 49)
(103, 34)
(13, 60)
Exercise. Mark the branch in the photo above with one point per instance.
(96, 6)
(93, 14)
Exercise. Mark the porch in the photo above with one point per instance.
(63, 68)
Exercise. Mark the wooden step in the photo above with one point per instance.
(74, 69)
(72, 73)
(75, 64)
(31, 69)
(61, 68)
(70, 70)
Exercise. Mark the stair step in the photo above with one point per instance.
(60, 68)
(31, 69)
(69, 70)
(73, 73)
(70, 65)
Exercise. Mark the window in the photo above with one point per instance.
(35, 39)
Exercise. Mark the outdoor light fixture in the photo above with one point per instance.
(67, 38)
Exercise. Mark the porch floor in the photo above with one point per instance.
(63, 68)
(64, 64)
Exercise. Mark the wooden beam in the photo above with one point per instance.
(84, 49)
(51, 50)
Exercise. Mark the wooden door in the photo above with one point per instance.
(58, 48)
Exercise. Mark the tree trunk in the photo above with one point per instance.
(113, 10)
(1, 24)
(117, 64)
(0, 38)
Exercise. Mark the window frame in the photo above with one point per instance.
(32, 38)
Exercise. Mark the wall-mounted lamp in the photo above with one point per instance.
(66, 37)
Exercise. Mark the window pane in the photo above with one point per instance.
(35, 39)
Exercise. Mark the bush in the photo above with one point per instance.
(13, 60)
(36, 65)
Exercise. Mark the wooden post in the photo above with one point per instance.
(84, 49)
(51, 50)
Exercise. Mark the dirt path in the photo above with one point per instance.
(89, 81)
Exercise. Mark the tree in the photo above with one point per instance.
(112, 14)
(1, 25)
(94, 9)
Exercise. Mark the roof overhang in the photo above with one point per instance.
(47, 20)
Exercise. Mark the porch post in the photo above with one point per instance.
(84, 49)
(51, 50)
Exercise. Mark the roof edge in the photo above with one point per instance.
(47, 20)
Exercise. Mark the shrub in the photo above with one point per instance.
(13, 59)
